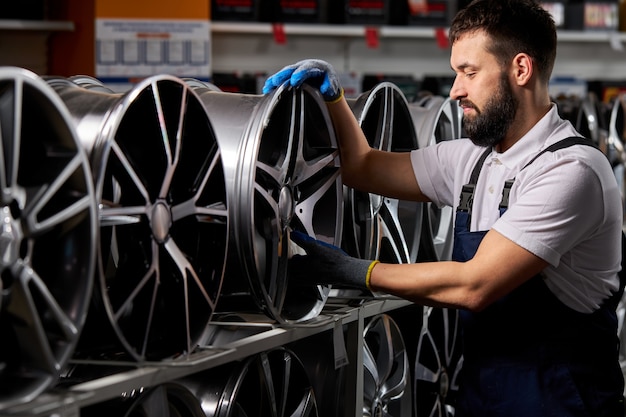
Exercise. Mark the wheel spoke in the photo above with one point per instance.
(306, 407)
(11, 137)
(128, 168)
(151, 273)
(120, 216)
(212, 213)
(371, 380)
(32, 214)
(282, 395)
(393, 246)
(267, 379)
(313, 195)
(172, 160)
(186, 269)
(156, 403)
(39, 319)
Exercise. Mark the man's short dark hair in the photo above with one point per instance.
(514, 26)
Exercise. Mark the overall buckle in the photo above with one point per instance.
(467, 198)
(504, 203)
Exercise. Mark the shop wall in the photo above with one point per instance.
(73, 53)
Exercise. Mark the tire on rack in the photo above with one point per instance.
(163, 217)
(386, 380)
(167, 399)
(386, 373)
(621, 334)
(590, 120)
(377, 227)
(587, 116)
(268, 384)
(438, 363)
(282, 164)
(436, 119)
(616, 149)
(47, 236)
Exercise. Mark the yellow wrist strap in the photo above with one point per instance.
(368, 276)
(337, 99)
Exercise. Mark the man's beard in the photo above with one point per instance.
(489, 126)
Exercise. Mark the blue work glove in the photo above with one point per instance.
(316, 72)
(326, 264)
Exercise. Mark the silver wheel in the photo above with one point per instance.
(166, 400)
(616, 151)
(282, 163)
(436, 119)
(586, 114)
(47, 236)
(90, 83)
(163, 215)
(386, 384)
(589, 122)
(270, 384)
(621, 334)
(438, 363)
(377, 227)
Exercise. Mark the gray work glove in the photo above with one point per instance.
(326, 264)
(316, 72)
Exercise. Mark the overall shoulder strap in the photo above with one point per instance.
(563, 143)
(479, 166)
(566, 143)
(467, 191)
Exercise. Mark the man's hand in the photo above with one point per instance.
(327, 264)
(314, 71)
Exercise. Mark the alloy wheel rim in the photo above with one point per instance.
(47, 237)
(438, 363)
(377, 227)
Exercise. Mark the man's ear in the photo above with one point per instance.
(523, 68)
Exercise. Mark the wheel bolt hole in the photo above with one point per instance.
(23, 249)
(15, 210)
(7, 280)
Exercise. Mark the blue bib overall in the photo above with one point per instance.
(528, 354)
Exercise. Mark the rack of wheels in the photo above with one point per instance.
(144, 254)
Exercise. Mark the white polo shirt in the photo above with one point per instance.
(565, 207)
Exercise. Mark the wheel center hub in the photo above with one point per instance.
(444, 384)
(161, 221)
(378, 409)
(286, 205)
(10, 238)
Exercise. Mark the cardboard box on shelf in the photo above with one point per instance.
(592, 15)
(431, 13)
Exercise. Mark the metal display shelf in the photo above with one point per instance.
(36, 25)
(408, 32)
(67, 401)
(419, 52)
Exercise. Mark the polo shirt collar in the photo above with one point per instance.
(531, 143)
